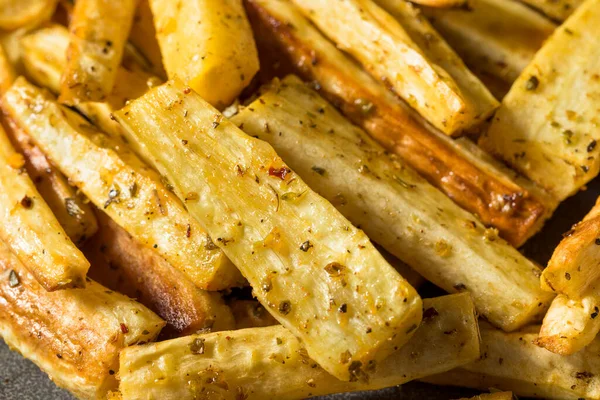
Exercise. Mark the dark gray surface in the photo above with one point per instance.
(21, 380)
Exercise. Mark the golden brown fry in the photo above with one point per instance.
(547, 127)
(122, 264)
(304, 260)
(570, 325)
(573, 269)
(251, 314)
(72, 335)
(497, 37)
(16, 14)
(98, 32)
(270, 363)
(395, 49)
(467, 179)
(31, 230)
(511, 361)
(208, 44)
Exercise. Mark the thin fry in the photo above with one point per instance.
(16, 14)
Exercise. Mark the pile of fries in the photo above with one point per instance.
(240, 199)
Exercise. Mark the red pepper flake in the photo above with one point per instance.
(281, 173)
(124, 328)
(187, 90)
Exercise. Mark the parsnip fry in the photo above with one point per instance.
(283, 31)
(558, 10)
(221, 60)
(315, 273)
(432, 79)
(122, 264)
(116, 181)
(393, 205)
(72, 212)
(573, 269)
(570, 325)
(98, 30)
(72, 335)
(16, 14)
(510, 361)
(30, 228)
(546, 127)
(270, 363)
(442, 3)
(498, 37)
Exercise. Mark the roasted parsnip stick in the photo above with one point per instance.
(221, 60)
(270, 363)
(511, 361)
(393, 205)
(31, 230)
(98, 32)
(122, 264)
(570, 325)
(516, 211)
(546, 127)
(72, 335)
(116, 181)
(428, 75)
(498, 37)
(315, 273)
(573, 268)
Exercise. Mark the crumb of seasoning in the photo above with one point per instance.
(430, 313)
(285, 307)
(72, 208)
(595, 313)
(306, 246)
(27, 202)
(197, 346)
(280, 173)
(532, 83)
(334, 269)
(16, 161)
(318, 170)
(567, 276)
(13, 279)
(597, 241)
(187, 90)
(124, 328)
(460, 286)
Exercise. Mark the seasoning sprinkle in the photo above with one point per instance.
(532, 83)
(13, 279)
(197, 346)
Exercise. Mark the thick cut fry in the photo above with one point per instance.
(511, 361)
(428, 75)
(393, 205)
(251, 314)
(221, 60)
(72, 212)
(570, 325)
(30, 228)
(574, 269)
(317, 274)
(72, 335)
(115, 180)
(98, 31)
(16, 14)
(470, 182)
(546, 127)
(122, 264)
(270, 363)
(497, 37)
(143, 37)
(558, 10)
